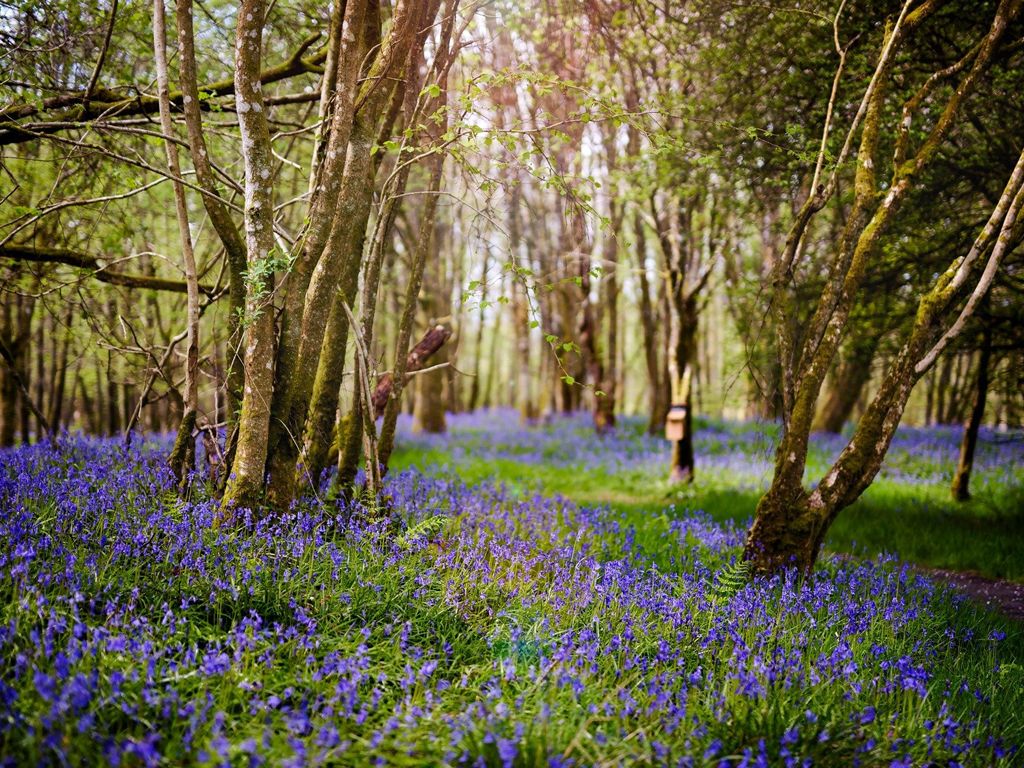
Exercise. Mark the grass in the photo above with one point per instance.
(916, 521)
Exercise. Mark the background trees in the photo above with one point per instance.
(619, 206)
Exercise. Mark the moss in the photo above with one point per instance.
(350, 452)
(183, 456)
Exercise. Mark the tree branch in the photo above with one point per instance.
(82, 106)
(102, 273)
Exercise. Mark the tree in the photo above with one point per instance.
(791, 521)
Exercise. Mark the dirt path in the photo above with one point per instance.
(1006, 597)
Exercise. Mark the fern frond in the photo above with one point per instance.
(424, 529)
(731, 580)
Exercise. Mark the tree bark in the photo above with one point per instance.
(962, 479)
(474, 387)
(59, 371)
(429, 405)
(245, 482)
(682, 466)
(657, 402)
(357, 121)
(520, 311)
(848, 381)
(182, 458)
(323, 408)
(320, 258)
(220, 218)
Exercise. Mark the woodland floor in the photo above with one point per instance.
(529, 595)
(1006, 597)
(977, 547)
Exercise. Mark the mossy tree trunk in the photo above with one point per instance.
(362, 117)
(320, 260)
(245, 483)
(323, 409)
(791, 521)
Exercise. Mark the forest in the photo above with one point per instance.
(512, 383)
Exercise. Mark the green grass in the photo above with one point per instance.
(919, 522)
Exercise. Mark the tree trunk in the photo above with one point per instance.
(848, 381)
(607, 394)
(323, 409)
(682, 465)
(962, 478)
(182, 458)
(791, 522)
(520, 314)
(8, 385)
(355, 123)
(942, 389)
(474, 387)
(656, 401)
(245, 482)
(955, 404)
(59, 372)
(387, 396)
(429, 409)
(320, 257)
(220, 219)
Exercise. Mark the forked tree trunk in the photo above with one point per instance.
(331, 368)
(319, 260)
(791, 522)
(962, 478)
(357, 123)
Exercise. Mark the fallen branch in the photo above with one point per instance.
(432, 341)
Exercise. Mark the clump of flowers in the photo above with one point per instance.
(520, 630)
